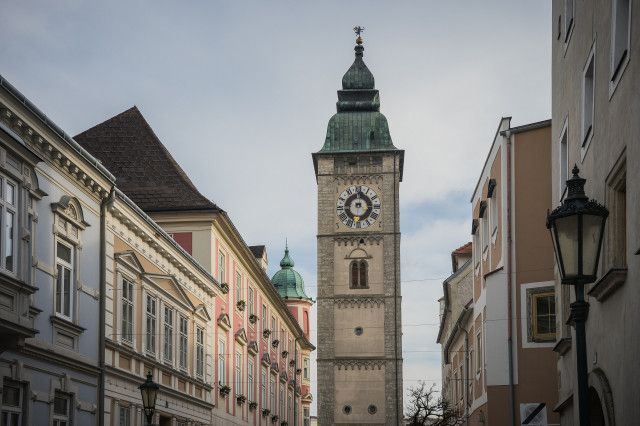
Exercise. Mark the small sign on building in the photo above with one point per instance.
(534, 413)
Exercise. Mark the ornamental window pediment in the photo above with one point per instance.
(241, 336)
(224, 322)
(69, 218)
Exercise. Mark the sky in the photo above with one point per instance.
(241, 93)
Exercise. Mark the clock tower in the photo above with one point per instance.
(358, 172)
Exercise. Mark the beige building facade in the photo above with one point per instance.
(358, 173)
(595, 104)
(513, 325)
(456, 312)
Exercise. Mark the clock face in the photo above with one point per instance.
(358, 207)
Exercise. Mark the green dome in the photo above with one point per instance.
(288, 281)
(358, 124)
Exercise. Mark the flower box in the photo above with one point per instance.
(253, 318)
(224, 391)
(241, 304)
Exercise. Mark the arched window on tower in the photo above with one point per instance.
(359, 274)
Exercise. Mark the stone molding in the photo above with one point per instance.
(359, 364)
(359, 302)
(77, 171)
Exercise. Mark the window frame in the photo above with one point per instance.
(127, 313)
(183, 342)
(57, 418)
(13, 410)
(357, 269)
(13, 208)
(588, 101)
(250, 301)
(222, 267)
(168, 335)
(151, 332)
(126, 409)
(250, 379)
(263, 388)
(238, 374)
(306, 368)
(70, 265)
(563, 160)
(238, 286)
(479, 360)
(569, 19)
(200, 355)
(618, 63)
(534, 295)
(221, 361)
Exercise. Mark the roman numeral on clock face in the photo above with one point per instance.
(358, 206)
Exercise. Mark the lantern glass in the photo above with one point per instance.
(592, 227)
(567, 244)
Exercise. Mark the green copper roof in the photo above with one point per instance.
(358, 125)
(288, 281)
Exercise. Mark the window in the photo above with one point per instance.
(250, 304)
(126, 326)
(222, 274)
(263, 390)
(283, 411)
(306, 368)
(124, 416)
(615, 252)
(150, 341)
(238, 373)
(475, 249)
(588, 100)
(221, 362)
(199, 352)
(461, 382)
(273, 326)
(564, 160)
(568, 18)
(359, 274)
(479, 353)
(485, 232)
(290, 411)
(182, 342)
(264, 317)
(306, 417)
(168, 334)
(493, 214)
(250, 368)
(238, 286)
(61, 406)
(12, 403)
(9, 217)
(272, 392)
(455, 386)
(64, 279)
(620, 36)
(543, 315)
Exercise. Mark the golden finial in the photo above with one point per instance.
(358, 30)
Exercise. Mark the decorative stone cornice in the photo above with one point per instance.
(360, 364)
(358, 179)
(154, 242)
(78, 171)
(354, 240)
(608, 284)
(359, 302)
(252, 347)
(224, 322)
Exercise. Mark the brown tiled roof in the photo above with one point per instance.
(144, 169)
(257, 251)
(465, 249)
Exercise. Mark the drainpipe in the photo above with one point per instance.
(512, 398)
(103, 288)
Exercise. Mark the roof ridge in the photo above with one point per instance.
(127, 137)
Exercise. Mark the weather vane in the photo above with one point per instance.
(358, 30)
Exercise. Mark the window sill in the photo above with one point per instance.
(617, 74)
(608, 284)
(586, 143)
(65, 333)
(563, 346)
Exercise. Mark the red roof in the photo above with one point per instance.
(465, 249)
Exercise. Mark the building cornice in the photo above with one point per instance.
(226, 226)
(53, 144)
(138, 223)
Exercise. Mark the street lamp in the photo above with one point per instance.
(149, 391)
(577, 229)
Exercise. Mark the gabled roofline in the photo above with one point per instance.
(269, 288)
(75, 146)
(486, 161)
(163, 234)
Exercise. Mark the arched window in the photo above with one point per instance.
(359, 274)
